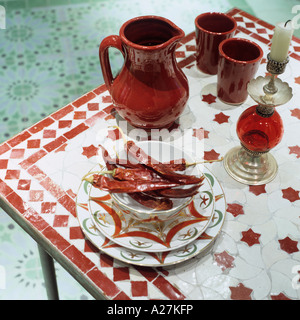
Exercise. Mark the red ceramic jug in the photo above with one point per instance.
(151, 90)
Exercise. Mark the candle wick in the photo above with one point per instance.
(287, 23)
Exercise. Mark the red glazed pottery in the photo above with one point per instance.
(151, 90)
(238, 63)
(211, 29)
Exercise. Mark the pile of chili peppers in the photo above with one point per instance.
(149, 182)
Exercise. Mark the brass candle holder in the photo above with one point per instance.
(260, 129)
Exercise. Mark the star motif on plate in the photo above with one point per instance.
(224, 260)
(209, 98)
(240, 292)
(288, 245)
(211, 155)
(257, 190)
(90, 151)
(295, 150)
(200, 133)
(297, 80)
(290, 194)
(221, 118)
(250, 237)
(295, 113)
(235, 209)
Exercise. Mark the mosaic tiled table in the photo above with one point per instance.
(256, 254)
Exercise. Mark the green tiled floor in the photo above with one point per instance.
(49, 57)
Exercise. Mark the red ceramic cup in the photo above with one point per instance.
(211, 29)
(238, 63)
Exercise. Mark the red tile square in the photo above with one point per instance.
(17, 153)
(49, 134)
(35, 219)
(103, 282)
(121, 274)
(62, 112)
(93, 106)
(64, 124)
(24, 184)
(149, 273)
(12, 174)
(190, 47)
(19, 138)
(52, 187)
(3, 163)
(60, 221)
(48, 207)
(250, 25)
(180, 54)
(261, 30)
(41, 125)
(76, 131)
(5, 190)
(79, 259)
(239, 19)
(139, 288)
(84, 99)
(37, 173)
(25, 164)
(100, 89)
(36, 195)
(168, 289)
(89, 247)
(76, 233)
(57, 240)
(55, 144)
(106, 99)
(79, 115)
(34, 143)
(68, 203)
(3, 148)
(17, 202)
(92, 120)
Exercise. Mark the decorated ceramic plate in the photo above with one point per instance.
(153, 259)
(154, 236)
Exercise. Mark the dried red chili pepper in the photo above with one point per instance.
(134, 174)
(177, 193)
(115, 186)
(111, 163)
(176, 165)
(152, 202)
(137, 174)
(159, 167)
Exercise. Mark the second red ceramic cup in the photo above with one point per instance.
(238, 63)
(211, 28)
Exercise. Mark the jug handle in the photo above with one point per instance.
(110, 41)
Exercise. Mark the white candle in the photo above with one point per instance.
(281, 41)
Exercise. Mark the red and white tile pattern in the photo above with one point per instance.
(41, 168)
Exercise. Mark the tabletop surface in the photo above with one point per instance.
(256, 253)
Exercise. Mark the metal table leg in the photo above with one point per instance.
(49, 274)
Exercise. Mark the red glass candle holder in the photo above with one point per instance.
(259, 129)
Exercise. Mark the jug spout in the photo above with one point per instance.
(150, 32)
